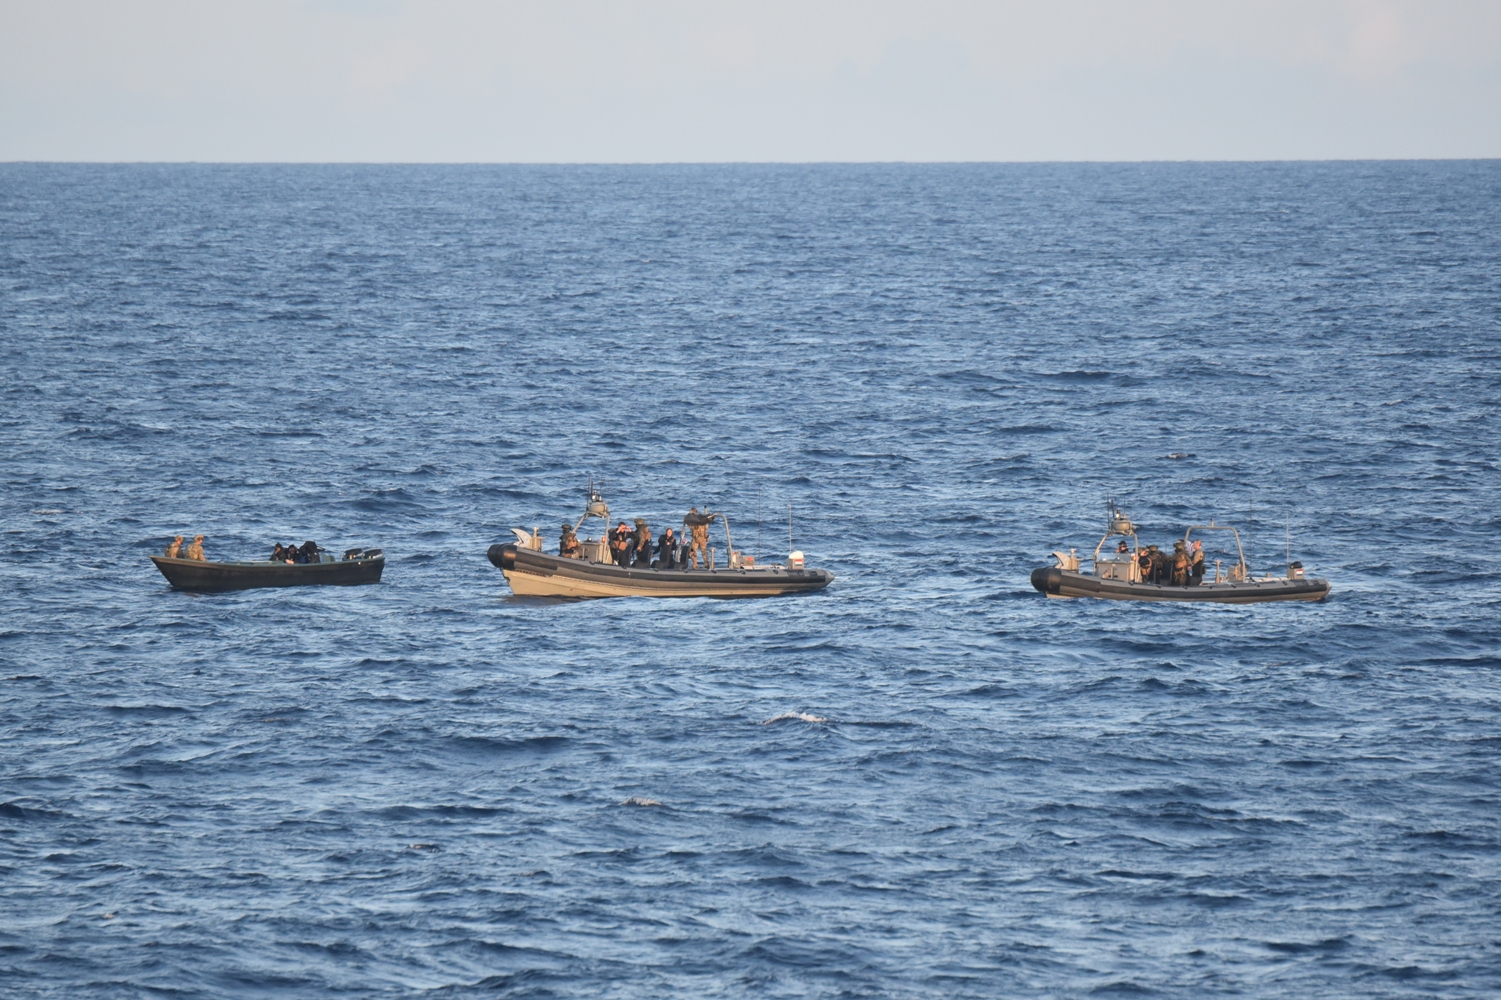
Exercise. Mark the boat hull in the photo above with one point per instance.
(207, 577)
(536, 574)
(1055, 582)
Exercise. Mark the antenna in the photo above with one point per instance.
(1287, 527)
(789, 525)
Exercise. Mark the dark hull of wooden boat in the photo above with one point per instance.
(192, 574)
(1055, 582)
(536, 574)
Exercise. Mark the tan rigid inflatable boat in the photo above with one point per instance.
(534, 573)
(1118, 577)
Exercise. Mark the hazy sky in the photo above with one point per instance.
(559, 80)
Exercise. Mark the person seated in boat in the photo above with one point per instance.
(279, 553)
(698, 530)
(667, 551)
(620, 539)
(171, 550)
(568, 543)
(1180, 564)
(1156, 566)
(195, 551)
(1196, 563)
(308, 553)
(641, 544)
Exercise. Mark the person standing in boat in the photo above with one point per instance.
(195, 551)
(698, 530)
(568, 543)
(171, 551)
(1180, 564)
(1144, 565)
(1196, 563)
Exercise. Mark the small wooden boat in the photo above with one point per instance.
(1120, 578)
(197, 575)
(534, 573)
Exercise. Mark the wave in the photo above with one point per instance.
(794, 716)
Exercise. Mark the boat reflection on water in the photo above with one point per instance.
(1117, 576)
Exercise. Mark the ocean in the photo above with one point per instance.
(924, 781)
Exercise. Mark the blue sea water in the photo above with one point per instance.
(925, 781)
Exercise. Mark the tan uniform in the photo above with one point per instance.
(1180, 568)
(195, 551)
(699, 546)
(174, 548)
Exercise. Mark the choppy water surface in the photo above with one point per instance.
(926, 781)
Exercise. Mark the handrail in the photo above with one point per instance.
(728, 541)
(1221, 527)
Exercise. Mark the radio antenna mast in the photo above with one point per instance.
(789, 525)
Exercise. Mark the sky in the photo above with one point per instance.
(769, 81)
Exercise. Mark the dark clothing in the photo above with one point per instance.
(1159, 567)
(279, 554)
(1144, 564)
(619, 538)
(1196, 568)
(309, 552)
(667, 550)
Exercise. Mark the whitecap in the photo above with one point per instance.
(799, 716)
(636, 800)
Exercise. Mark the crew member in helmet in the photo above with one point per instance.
(698, 530)
(195, 551)
(1159, 564)
(172, 550)
(568, 543)
(1180, 564)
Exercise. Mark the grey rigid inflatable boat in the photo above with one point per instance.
(204, 577)
(1120, 578)
(534, 573)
